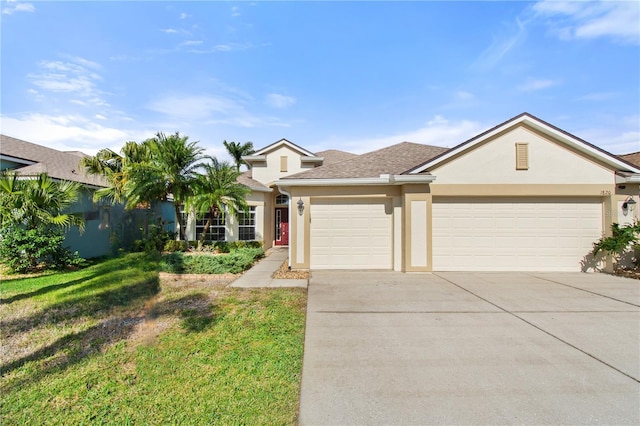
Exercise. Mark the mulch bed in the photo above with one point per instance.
(283, 273)
(628, 273)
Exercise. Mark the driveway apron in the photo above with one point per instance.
(471, 348)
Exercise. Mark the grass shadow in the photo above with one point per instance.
(44, 290)
(91, 304)
(196, 311)
(71, 349)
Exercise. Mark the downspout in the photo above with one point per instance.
(289, 219)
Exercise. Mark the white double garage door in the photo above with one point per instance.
(479, 234)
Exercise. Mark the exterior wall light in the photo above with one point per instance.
(629, 204)
(300, 207)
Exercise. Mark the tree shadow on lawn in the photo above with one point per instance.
(45, 290)
(86, 305)
(196, 312)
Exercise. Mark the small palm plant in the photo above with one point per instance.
(217, 191)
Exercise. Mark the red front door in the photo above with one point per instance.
(282, 226)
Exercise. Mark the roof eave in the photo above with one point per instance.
(382, 180)
(622, 177)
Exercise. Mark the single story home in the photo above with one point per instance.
(522, 196)
(106, 225)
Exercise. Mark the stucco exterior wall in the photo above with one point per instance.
(269, 171)
(494, 163)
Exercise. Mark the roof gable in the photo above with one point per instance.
(525, 119)
(280, 143)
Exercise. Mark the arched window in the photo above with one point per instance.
(282, 199)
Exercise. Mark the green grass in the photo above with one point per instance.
(111, 344)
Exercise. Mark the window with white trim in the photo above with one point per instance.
(247, 225)
(216, 228)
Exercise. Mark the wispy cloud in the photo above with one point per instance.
(618, 20)
(169, 30)
(191, 43)
(13, 6)
(211, 109)
(438, 131)
(533, 85)
(598, 96)
(515, 33)
(235, 11)
(184, 15)
(276, 100)
(76, 77)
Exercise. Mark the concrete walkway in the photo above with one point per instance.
(260, 275)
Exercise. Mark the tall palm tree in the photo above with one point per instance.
(116, 168)
(38, 201)
(218, 190)
(169, 172)
(238, 150)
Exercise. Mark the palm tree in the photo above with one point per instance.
(238, 150)
(116, 168)
(169, 172)
(216, 190)
(38, 201)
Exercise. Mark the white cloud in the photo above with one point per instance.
(14, 6)
(169, 30)
(235, 11)
(71, 78)
(463, 95)
(438, 131)
(532, 85)
(68, 132)
(191, 43)
(276, 100)
(618, 20)
(598, 96)
(184, 15)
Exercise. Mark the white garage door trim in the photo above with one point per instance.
(351, 234)
(514, 234)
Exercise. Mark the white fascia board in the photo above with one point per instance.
(382, 180)
(630, 178)
(286, 143)
(544, 128)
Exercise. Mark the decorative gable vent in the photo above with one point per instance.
(522, 156)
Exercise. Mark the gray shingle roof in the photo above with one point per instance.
(394, 160)
(335, 155)
(245, 179)
(57, 164)
(633, 158)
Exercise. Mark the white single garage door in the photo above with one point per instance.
(351, 234)
(513, 234)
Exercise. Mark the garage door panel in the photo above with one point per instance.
(514, 234)
(350, 234)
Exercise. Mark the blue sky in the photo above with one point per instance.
(355, 76)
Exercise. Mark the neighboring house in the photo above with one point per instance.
(522, 196)
(101, 219)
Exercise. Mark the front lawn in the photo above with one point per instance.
(112, 344)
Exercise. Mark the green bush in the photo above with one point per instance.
(175, 245)
(234, 262)
(26, 250)
(622, 237)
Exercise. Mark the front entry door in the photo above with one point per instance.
(282, 226)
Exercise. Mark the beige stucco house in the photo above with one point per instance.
(522, 196)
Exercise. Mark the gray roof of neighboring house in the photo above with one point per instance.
(633, 158)
(57, 164)
(334, 156)
(394, 160)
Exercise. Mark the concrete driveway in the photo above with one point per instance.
(471, 348)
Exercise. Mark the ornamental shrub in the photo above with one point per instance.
(27, 250)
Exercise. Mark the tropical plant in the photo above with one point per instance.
(217, 191)
(38, 201)
(116, 168)
(169, 172)
(621, 239)
(32, 220)
(238, 150)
